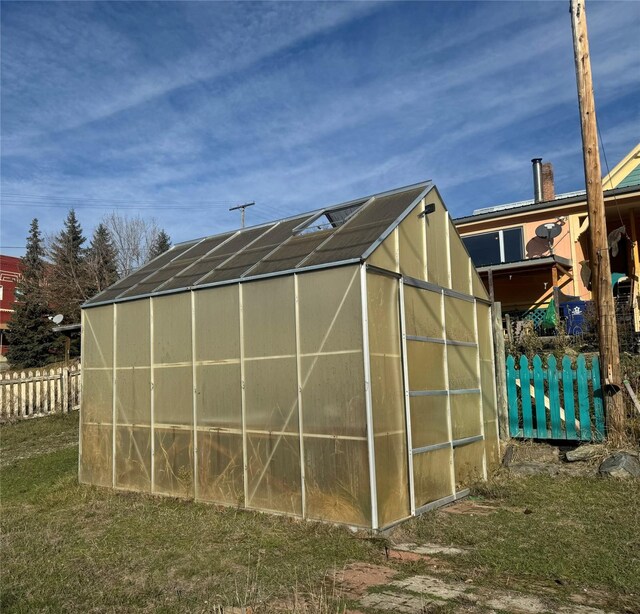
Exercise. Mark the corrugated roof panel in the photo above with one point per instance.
(191, 272)
(292, 252)
(249, 257)
(364, 228)
(127, 283)
(231, 247)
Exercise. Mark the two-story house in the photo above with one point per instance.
(525, 249)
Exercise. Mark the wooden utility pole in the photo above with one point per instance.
(598, 246)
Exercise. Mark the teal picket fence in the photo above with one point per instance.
(555, 403)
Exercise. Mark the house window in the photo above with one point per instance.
(495, 247)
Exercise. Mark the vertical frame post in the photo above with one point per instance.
(152, 433)
(82, 355)
(299, 386)
(407, 400)
(114, 377)
(245, 466)
(368, 400)
(195, 394)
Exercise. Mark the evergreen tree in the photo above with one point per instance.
(68, 283)
(32, 342)
(101, 261)
(160, 244)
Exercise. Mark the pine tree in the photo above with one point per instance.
(101, 261)
(32, 342)
(161, 244)
(68, 283)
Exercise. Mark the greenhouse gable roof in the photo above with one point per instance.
(335, 235)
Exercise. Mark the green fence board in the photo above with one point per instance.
(512, 397)
(597, 399)
(554, 399)
(538, 386)
(568, 394)
(525, 389)
(583, 398)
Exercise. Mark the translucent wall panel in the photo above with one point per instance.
(173, 461)
(422, 312)
(386, 254)
(274, 472)
(426, 365)
(98, 338)
(333, 395)
(271, 395)
(389, 423)
(489, 410)
(460, 262)
(333, 399)
(172, 329)
(97, 456)
(459, 315)
(173, 395)
(478, 287)
(97, 396)
(220, 472)
(268, 308)
(412, 235)
(217, 324)
(466, 419)
(133, 334)
(463, 367)
(133, 458)
(432, 476)
(133, 396)
(487, 384)
(468, 464)
(485, 342)
(337, 480)
(330, 311)
(429, 420)
(437, 260)
(219, 395)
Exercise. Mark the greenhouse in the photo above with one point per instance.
(336, 365)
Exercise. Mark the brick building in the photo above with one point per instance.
(9, 275)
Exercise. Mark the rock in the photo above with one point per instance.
(621, 465)
(583, 453)
(532, 468)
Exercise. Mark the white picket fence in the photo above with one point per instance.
(40, 392)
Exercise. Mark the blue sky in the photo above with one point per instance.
(183, 109)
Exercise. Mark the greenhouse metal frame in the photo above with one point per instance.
(336, 365)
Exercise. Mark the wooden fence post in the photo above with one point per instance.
(65, 390)
(501, 378)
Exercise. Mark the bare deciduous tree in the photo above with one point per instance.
(133, 238)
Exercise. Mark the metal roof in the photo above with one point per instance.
(349, 233)
(562, 200)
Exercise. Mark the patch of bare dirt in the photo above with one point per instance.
(356, 578)
(471, 508)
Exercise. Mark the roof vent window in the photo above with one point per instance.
(329, 218)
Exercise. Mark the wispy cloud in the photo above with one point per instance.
(297, 105)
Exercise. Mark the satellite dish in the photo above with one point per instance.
(57, 319)
(548, 231)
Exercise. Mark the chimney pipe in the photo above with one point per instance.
(537, 179)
